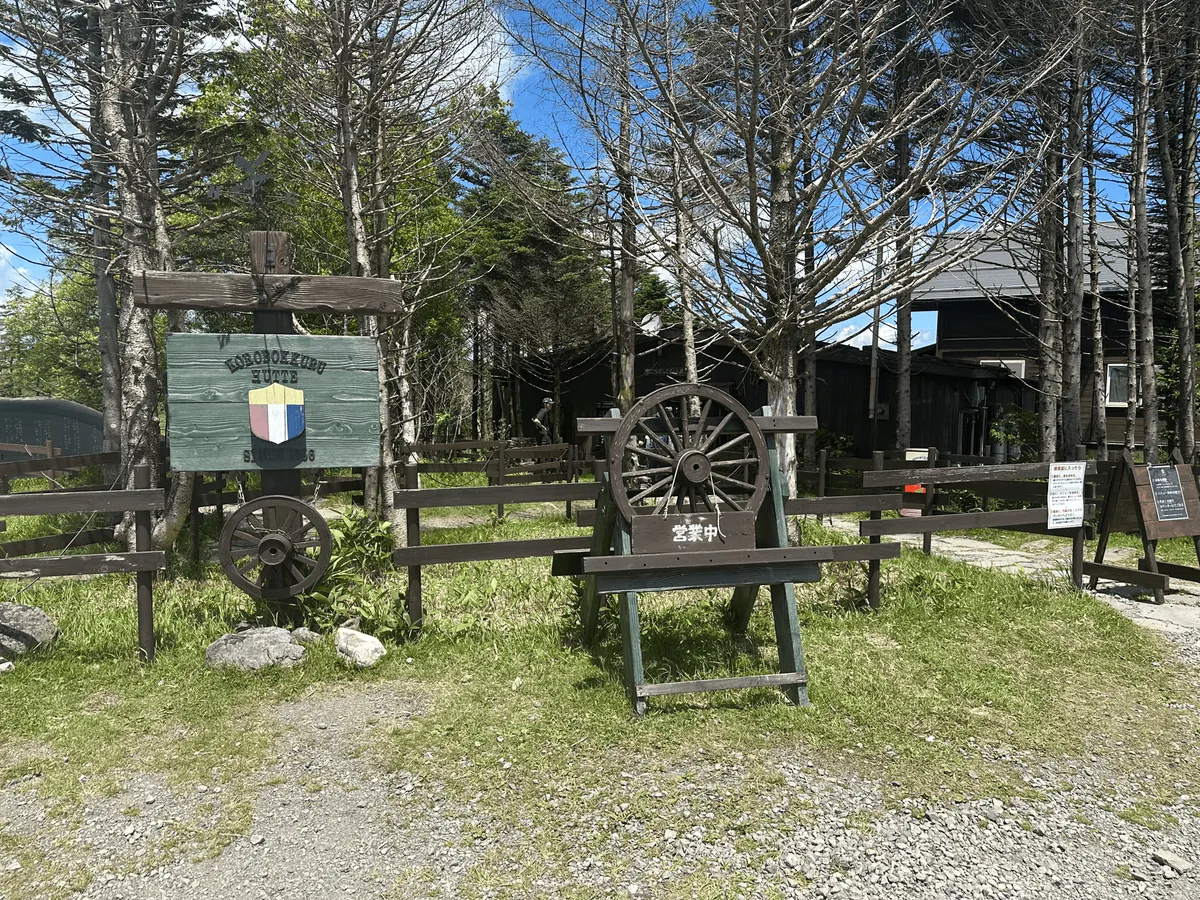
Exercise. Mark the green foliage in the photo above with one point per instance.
(1018, 428)
(357, 584)
(49, 343)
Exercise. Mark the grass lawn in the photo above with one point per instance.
(960, 668)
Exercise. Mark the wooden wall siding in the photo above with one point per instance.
(209, 377)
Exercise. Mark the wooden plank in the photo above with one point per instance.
(54, 542)
(438, 554)
(569, 563)
(652, 562)
(961, 474)
(1172, 570)
(58, 463)
(827, 506)
(52, 503)
(700, 531)
(431, 498)
(1156, 529)
(777, 679)
(334, 294)
(88, 564)
(699, 578)
(1159, 581)
(954, 522)
(455, 446)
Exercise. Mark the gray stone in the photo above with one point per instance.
(23, 628)
(306, 636)
(1173, 860)
(6, 667)
(358, 649)
(256, 648)
(793, 861)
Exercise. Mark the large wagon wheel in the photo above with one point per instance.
(688, 448)
(275, 547)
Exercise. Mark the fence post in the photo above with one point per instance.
(195, 519)
(145, 580)
(500, 479)
(873, 565)
(570, 472)
(1077, 540)
(822, 458)
(412, 516)
(930, 490)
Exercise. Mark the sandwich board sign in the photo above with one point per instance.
(271, 401)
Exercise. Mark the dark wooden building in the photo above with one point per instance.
(987, 312)
(953, 401)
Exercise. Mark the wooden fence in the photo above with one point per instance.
(141, 561)
(1019, 482)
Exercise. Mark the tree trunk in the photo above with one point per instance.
(1141, 224)
(1072, 315)
(1099, 370)
(1049, 323)
(1131, 350)
(1185, 337)
(780, 375)
(626, 336)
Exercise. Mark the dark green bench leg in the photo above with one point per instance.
(631, 629)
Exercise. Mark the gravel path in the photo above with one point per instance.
(325, 820)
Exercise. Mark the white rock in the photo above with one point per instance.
(22, 628)
(13, 866)
(6, 667)
(256, 648)
(1173, 860)
(358, 649)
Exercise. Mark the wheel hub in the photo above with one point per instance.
(274, 548)
(695, 467)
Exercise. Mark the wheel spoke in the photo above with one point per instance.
(637, 473)
(656, 438)
(722, 495)
(634, 448)
(311, 544)
(649, 490)
(679, 445)
(296, 573)
(730, 443)
(306, 560)
(245, 570)
(247, 536)
(716, 431)
(742, 484)
(733, 462)
(663, 503)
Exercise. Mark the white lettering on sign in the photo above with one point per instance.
(694, 533)
(1064, 495)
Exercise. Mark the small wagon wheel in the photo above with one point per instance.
(688, 448)
(275, 547)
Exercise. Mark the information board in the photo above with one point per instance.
(1064, 495)
(1167, 491)
(271, 401)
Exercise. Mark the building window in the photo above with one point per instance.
(1118, 385)
(1016, 366)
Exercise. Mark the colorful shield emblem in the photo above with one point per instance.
(276, 413)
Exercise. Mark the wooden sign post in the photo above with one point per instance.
(1156, 501)
(274, 401)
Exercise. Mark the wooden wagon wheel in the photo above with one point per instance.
(275, 547)
(685, 449)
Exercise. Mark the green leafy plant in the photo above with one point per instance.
(1018, 428)
(356, 585)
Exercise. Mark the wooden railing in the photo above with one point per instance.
(142, 561)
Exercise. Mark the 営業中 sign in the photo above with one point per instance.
(271, 401)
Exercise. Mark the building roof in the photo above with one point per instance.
(1007, 266)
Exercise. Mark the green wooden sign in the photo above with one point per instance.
(271, 401)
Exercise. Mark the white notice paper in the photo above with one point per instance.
(1064, 495)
